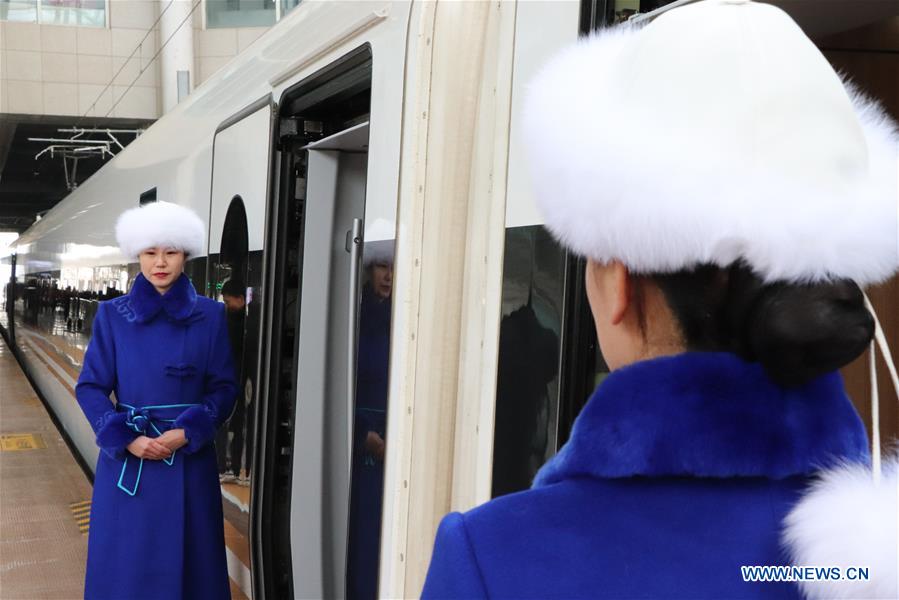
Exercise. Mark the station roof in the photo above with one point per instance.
(30, 186)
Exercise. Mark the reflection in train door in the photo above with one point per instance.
(240, 179)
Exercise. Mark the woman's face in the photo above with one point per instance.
(162, 267)
(382, 279)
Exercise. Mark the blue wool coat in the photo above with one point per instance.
(156, 528)
(678, 471)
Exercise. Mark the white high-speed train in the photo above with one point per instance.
(348, 128)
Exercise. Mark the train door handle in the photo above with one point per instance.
(354, 247)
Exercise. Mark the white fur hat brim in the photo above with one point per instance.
(160, 224)
(380, 251)
(844, 521)
(716, 133)
(379, 242)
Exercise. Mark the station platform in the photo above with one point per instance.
(45, 496)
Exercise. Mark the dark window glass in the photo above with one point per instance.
(549, 361)
(527, 389)
(600, 13)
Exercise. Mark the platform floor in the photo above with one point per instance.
(44, 497)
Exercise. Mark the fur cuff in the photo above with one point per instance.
(844, 521)
(113, 436)
(199, 427)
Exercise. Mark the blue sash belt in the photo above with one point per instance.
(143, 420)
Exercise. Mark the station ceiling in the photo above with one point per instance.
(30, 186)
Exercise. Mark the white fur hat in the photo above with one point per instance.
(715, 133)
(160, 224)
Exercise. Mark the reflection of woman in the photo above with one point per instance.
(370, 429)
(726, 191)
(156, 517)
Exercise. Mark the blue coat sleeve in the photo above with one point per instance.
(454, 570)
(96, 382)
(220, 391)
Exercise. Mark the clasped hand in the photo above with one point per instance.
(157, 448)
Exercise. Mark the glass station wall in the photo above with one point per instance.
(84, 13)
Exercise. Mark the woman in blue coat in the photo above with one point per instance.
(162, 352)
(730, 195)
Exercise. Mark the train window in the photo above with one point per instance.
(148, 196)
(548, 356)
(600, 13)
(527, 387)
(583, 366)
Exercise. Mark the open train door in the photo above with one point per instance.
(240, 189)
(315, 319)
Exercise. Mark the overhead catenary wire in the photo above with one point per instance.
(161, 48)
(127, 60)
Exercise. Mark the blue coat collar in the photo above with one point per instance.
(178, 303)
(708, 415)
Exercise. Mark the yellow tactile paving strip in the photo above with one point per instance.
(42, 549)
(81, 511)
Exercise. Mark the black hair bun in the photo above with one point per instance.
(799, 331)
